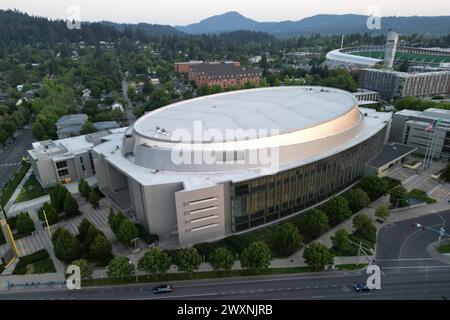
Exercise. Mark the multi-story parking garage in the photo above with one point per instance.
(205, 168)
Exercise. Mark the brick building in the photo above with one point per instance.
(223, 74)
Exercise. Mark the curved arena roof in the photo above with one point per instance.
(240, 115)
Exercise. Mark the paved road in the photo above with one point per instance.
(10, 159)
(402, 245)
(409, 272)
(414, 283)
(129, 107)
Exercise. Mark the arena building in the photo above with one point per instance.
(202, 169)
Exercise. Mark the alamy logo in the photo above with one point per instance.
(374, 19)
(374, 280)
(73, 280)
(74, 19)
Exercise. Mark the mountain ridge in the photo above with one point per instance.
(325, 24)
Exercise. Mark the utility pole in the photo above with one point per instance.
(442, 232)
(362, 249)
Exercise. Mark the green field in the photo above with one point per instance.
(402, 56)
(31, 190)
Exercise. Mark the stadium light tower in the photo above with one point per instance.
(391, 49)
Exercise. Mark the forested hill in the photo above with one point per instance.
(323, 24)
(21, 28)
(154, 30)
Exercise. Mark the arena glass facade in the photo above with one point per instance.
(259, 201)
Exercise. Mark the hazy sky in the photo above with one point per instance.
(180, 12)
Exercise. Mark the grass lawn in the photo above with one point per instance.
(12, 184)
(444, 249)
(31, 190)
(35, 263)
(351, 266)
(420, 195)
(202, 275)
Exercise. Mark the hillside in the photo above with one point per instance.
(325, 24)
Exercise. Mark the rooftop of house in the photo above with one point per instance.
(71, 119)
(105, 125)
(220, 69)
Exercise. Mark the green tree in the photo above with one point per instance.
(127, 232)
(445, 175)
(91, 234)
(256, 257)
(375, 187)
(315, 223)
(84, 188)
(24, 224)
(58, 196)
(94, 199)
(88, 127)
(83, 229)
(364, 228)
(288, 239)
(38, 131)
(120, 267)
(66, 246)
(337, 210)
(85, 268)
(155, 262)
(188, 259)
(399, 197)
(221, 259)
(70, 205)
(357, 199)
(341, 243)
(100, 250)
(159, 98)
(382, 212)
(317, 255)
(50, 213)
(115, 220)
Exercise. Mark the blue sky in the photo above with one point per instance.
(180, 12)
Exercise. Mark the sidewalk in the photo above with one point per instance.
(27, 205)
(295, 260)
(18, 189)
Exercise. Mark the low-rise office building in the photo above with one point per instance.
(415, 128)
(66, 160)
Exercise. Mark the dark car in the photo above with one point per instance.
(362, 287)
(162, 289)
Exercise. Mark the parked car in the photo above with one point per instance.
(362, 287)
(162, 289)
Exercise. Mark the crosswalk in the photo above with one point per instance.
(440, 192)
(12, 164)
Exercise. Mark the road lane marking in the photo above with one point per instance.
(177, 297)
(345, 275)
(407, 259)
(416, 267)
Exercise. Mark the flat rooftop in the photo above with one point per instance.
(283, 109)
(391, 152)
